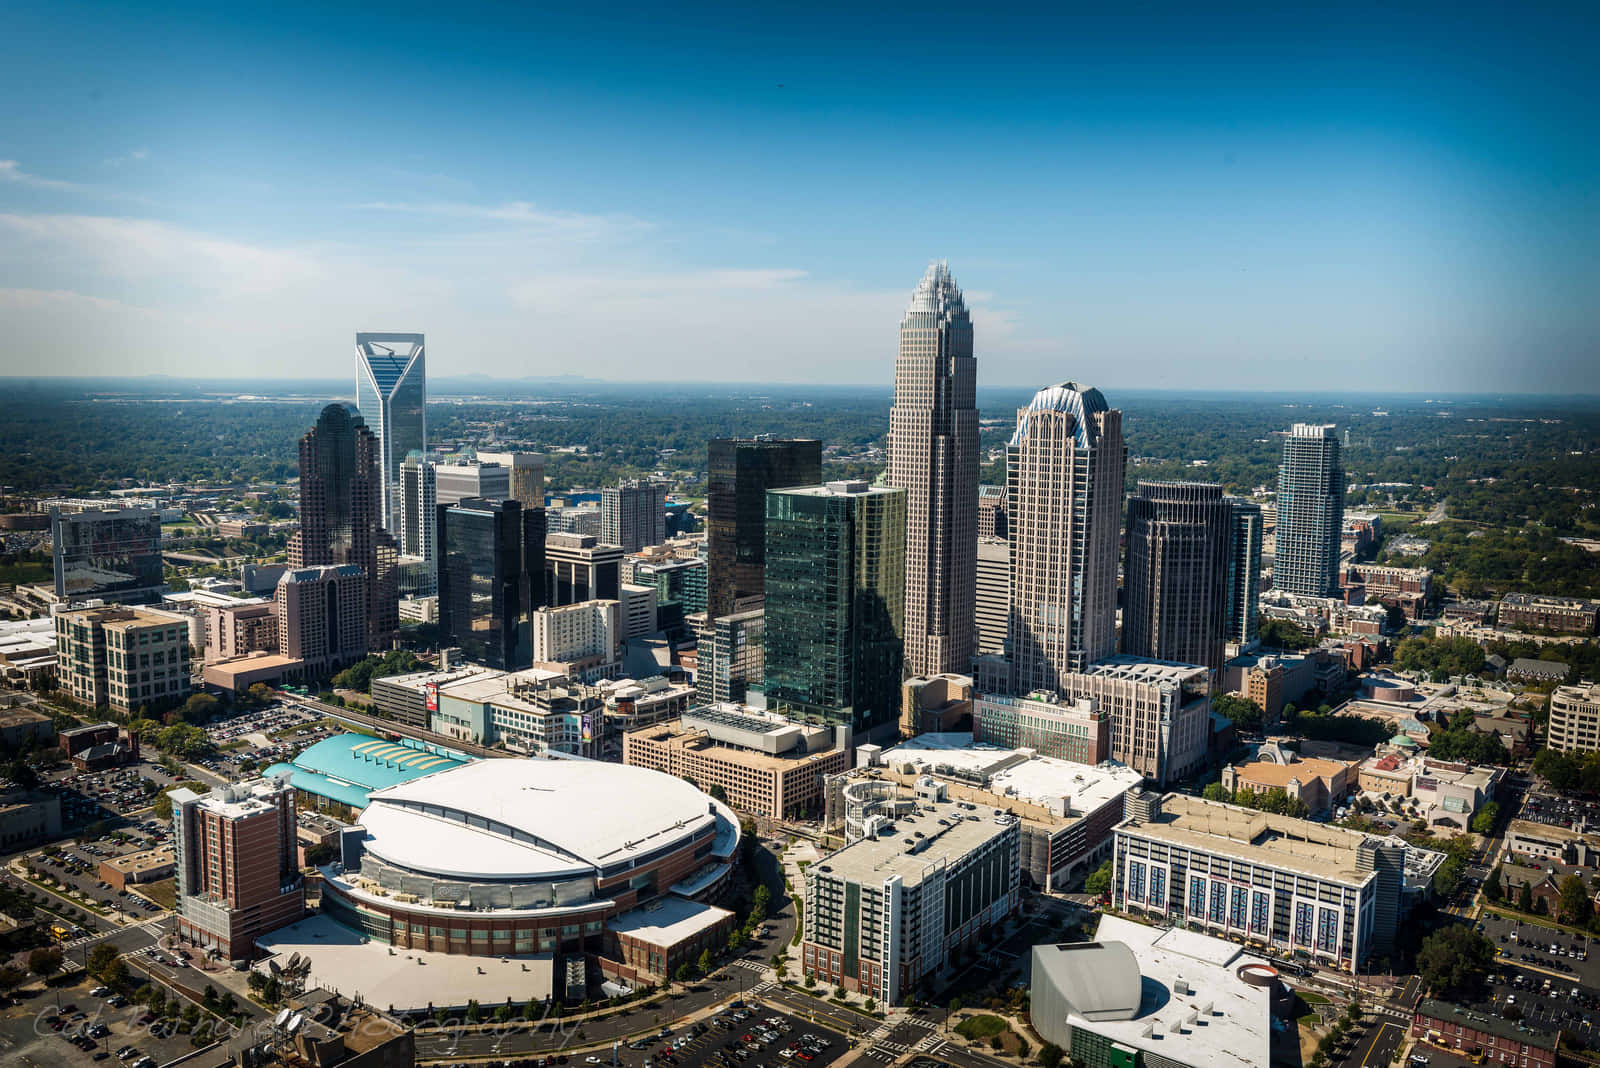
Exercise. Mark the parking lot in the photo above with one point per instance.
(1559, 811)
(1530, 944)
(250, 737)
(90, 1030)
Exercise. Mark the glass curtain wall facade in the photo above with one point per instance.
(114, 554)
(741, 471)
(835, 603)
(392, 396)
(1244, 571)
(1175, 587)
(491, 567)
(1310, 512)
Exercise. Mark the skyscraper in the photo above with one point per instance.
(419, 501)
(392, 396)
(633, 514)
(1175, 584)
(112, 553)
(741, 471)
(527, 475)
(491, 576)
(1064, 477)
(322, 616)
(835, 603)
(477, 478)
(1244, 571)
(933, 456)
(1310, 512)
(340, 513)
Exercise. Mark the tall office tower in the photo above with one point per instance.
(527, 475)
(322, 615)
(933, 456)
(478, 479)
(1244, 571)
(577, 567)
(340, 514)
(491, 576)
(237, 864)
(113, 554)
(1310, 512)
(1175, 582)
(741, 471)
(1064, 471)
(835, 605)
(992, 606)
(634, 514)
(730, 655)
(419, 502)
(992, 512)
(392, 396)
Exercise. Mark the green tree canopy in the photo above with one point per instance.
(1454, 959)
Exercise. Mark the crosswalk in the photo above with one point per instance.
(750, 965)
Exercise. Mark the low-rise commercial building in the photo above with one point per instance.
(237, 675)
(1528, 669)
(1153, 996)
(534, 712)
(634, 703)
(1320, 891)
(1057, 727)
(1450, 793)
(412, 699)
(1483, 1038)
(884, 912)
(935, 703)
(21, 726)
(1407, 588)
(763, 763)
(1067, 810)
(147, 866)
(124, 658)
(659, 938)
(1549, 842)
(1321, 784)
(27, 817)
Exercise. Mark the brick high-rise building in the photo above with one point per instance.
(1064, 478)
(1310, 512)
(933, 456)
(1175, 586)
(741, 471)
(236, 863)
(341, 514)
(322, 616)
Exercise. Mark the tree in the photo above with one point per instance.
(718, 793)
(1492, 889)
(200, 708)
(260, 693)
(1242, 712)
(1099, 881)
(684, 973)
(869, 1005)
(1484, 821)
(1525, 897)
(101, 958)
(1576, 905)
(1050, 1055)
(705, 964)
(44, 961)
(1217, 792)
(1454, 959)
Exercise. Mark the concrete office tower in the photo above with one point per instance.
(992, 607)
(322, 615)
(634, 514)
(992, 512)
(392, 396)
(419, 502)
(491, 576)
(527, 475)
(112, 553)
(1310, 512)
(474, 478)
(835, 605)
(1175, 582)
(741, 471)
(340, 514)
(579, 568)
(237, 867)
(1244, 572)
(1064, 471)
(933, 456)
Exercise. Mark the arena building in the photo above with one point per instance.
(539, 856)
(337, 775)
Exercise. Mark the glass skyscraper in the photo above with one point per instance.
(741, 471)
(1244, 571)
(491, 575)
(113, 553)
(392, 396)
(835, 605)
(1175, 587)
(933, 456)
(1310, 512)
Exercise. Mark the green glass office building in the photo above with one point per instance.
(835, 605)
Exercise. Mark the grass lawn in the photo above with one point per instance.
(163, 892)
(979, 1027)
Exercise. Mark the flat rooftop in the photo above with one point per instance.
(1315, 849)
(1219, 1021)
(1140, 669)
(668, 920)
(1016, 774)
(351, 965)
(949, 833)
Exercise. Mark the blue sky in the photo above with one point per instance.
(1381, 195)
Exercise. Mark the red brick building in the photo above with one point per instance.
(1477, 1035)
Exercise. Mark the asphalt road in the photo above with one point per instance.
(1376, 1046)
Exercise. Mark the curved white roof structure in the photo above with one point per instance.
(534, 819)
(1077, 400)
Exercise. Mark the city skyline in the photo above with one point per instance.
(1174, 199)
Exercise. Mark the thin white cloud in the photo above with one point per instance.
(133, 155)
(11, 171)
(517, 213)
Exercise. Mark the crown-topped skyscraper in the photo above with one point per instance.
(933, 456)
